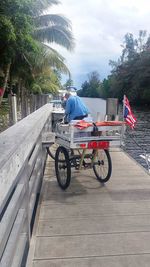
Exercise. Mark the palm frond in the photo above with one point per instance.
(40, 5)
(52, 50)
(56, 63)
(52, 19)
(55, 34)
(47, 57)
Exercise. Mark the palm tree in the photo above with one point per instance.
(36, 29)
(52, 28)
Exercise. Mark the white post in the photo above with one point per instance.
(98, 116)
(14, 109)
(106, 117)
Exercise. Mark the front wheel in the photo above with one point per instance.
(102, 165)
(62, 167)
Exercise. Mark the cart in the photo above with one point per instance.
(86, 148)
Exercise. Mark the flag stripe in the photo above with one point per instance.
(128, 115)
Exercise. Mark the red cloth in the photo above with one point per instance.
(83, 124)
(1, 91)
(110, 123)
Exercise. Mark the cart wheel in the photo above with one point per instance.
(62, 167)
(52, 150)
(102, 165)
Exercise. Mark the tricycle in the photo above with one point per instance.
(83, 145)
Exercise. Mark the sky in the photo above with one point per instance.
(99, 27)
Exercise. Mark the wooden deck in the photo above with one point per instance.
(91, 225)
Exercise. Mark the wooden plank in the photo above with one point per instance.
(115, 261)
(9, 252)
(100, 209)
(92, 225)
(34, 194)
(92, 245)
(15, 146)
(10, 215)
(21, 245)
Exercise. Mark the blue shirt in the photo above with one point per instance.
(75, 107)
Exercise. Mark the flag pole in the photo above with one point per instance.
(123, 126)
(123, 107)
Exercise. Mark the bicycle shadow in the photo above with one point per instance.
(82, 183)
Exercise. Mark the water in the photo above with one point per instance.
(137, 141)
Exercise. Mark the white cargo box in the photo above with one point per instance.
(72, 137)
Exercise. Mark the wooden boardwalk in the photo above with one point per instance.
(91, 225)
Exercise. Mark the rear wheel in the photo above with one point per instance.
(62, 167)
(102, 165)
(52, 150)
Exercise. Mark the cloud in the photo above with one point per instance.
(99, 27)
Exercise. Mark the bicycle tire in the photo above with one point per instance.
(61, 165)
(103, 163)
(52, 150)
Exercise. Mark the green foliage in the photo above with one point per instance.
(47, 82)
(23, 28)
(16, 27)
(7, 30)
(131, 73)
(36, 89)
(92, 87)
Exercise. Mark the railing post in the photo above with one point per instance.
(13, 109)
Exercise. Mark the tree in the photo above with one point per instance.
(24, 27)
(92, 87)
(47, 82)
(131, 73)
(129, 47)
(68, 83)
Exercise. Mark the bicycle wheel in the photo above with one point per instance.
(52, 150)
(102, 165)
(62, 167)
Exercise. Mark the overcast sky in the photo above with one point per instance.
(99, 27)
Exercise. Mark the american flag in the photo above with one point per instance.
(128, 115)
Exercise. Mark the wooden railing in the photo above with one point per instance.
(22, 163)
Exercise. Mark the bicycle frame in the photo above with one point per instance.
(82, 156)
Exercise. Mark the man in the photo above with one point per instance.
(75, 108)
